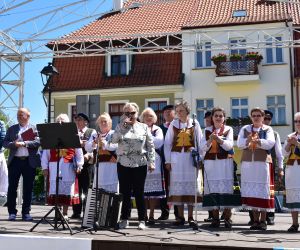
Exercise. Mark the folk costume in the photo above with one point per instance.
(154, 184)
(219, 170)
(107, 162)
(292, 175)
(257, 175)
(70, 160)
(179, 142)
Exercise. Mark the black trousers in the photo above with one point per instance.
(84, 181)
(132, 179)
(16, 168)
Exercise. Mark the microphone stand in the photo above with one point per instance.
(196, 163)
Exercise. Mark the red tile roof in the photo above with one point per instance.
(162, 16)
(88, 72)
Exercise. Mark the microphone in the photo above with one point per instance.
(194, 116)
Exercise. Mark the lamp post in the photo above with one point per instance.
(49, 71)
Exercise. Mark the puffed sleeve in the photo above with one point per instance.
(158, 138)
(241, 140)
(79, 158)
(228, 142)
(89, 144)
(269, 142)
(45, 159)
(168, 143)
(150, 146)
(278, 151)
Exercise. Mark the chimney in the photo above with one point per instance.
(117, 5)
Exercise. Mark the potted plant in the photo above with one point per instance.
(253, 56)
(221, 57)
(235, 57)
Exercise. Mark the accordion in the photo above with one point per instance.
(108, 206)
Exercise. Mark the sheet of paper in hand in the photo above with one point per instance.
(28, 135)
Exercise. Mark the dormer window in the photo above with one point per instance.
(118, 65)
(239, 13)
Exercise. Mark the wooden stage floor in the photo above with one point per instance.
(163, 235)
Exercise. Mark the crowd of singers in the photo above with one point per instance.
(155, 165)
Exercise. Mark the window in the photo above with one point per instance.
(115, 111)
(239, 107)
(274, 53)
(239, 13)
(203, 105)
(157, 106)
(203, 58)
(238, 43)
(118, 65)
(73, 112)
(276, 104)
(238, 65)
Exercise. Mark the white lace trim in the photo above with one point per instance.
(64, 188)
(257, 190)
(108, 187)
(153, 183)
(258, 208)
(183, 188)
(292, 195)
(218, 186)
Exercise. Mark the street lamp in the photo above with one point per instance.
(49, 71)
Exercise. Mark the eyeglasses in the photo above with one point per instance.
(296, 121)
(267, 119)
(220, 116)
(253, 116)
(129, 113)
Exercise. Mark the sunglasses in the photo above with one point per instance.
(267, 119)
(253, 116)
(129, 113)
(296, 121)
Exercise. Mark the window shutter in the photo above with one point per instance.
(94, 109)
(82, 102)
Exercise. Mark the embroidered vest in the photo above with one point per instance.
(294, 155)
(183, 139)
(220, 152)
(256, 154)
(67, 154)
(106, 156)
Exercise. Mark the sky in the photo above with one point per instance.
(33, 98)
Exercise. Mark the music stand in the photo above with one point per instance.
(57, 136)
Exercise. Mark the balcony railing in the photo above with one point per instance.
(239, 67)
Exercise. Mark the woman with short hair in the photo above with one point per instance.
(107, 159)
(135, 155)
(257, 180)
(154, 184)
(183, 136)
(218, 168)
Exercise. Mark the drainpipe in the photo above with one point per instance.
(291, 78)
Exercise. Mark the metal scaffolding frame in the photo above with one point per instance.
(15, 52)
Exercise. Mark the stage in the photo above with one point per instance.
(162, 236)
